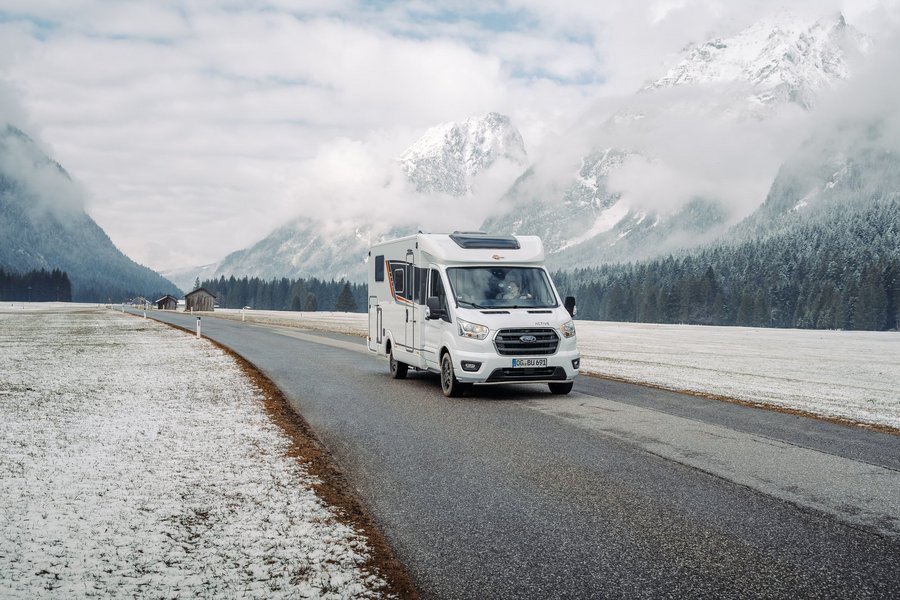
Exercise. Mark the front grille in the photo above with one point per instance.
(508, 342)
(530, 374)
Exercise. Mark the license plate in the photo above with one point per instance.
(521, 363)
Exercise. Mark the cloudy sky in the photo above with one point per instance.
(196, 127)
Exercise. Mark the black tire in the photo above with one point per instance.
(561, 388)
(398, 369)
(450, 385)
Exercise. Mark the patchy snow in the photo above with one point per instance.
(605, 221)
(844, 374)
(137, 461)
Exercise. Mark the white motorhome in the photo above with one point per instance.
(476, 308)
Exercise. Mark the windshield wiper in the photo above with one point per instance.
(472, 304)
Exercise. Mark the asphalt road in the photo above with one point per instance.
(616, 491)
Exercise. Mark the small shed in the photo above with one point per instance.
(167, 302)
(199, 299)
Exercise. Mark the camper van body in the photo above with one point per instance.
(479, 309)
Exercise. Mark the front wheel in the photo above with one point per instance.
(561, 388)
(398, 369)
(450, 385)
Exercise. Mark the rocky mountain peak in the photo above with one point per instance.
(449, 156)
(782, 58)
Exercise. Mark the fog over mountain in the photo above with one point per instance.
(822, 251)
(689, 154)
(454, 170)
(732, 142)
(43, 225)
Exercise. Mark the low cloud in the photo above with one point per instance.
(197, 129)
(689, 145)
(41, 184)
(867, 113)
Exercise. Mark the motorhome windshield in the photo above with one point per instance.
(501, 287)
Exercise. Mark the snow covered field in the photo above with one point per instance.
(851, 375)
(138, 461)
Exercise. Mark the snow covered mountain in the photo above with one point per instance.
(781, 58)
(720, 90)
(43, 225)
(449, 157)
(448, 161)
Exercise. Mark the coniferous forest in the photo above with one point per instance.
(35, 286)
(839, 273)
(288, 294)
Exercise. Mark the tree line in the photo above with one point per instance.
(839, 273)
(305, 295)
(35, 286)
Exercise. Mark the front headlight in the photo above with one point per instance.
(472, 330)
(567, 329)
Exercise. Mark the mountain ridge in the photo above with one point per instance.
(44, 226)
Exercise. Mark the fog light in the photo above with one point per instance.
(470, 365)
(576, 362)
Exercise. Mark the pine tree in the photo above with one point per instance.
(345, 301)
(311, 304)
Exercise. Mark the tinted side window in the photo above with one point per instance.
(400, 280)
(436, 290)
(379, 267)
(421, 276)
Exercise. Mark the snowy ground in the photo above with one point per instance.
(851, 375)
(138, 461)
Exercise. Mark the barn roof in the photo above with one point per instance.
(198, 290)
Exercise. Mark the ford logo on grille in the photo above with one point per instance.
(527, 339)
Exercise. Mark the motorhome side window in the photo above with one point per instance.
(408, 281)
(436, 290)
(400, 281)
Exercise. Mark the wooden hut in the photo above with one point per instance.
(167, 302)
(199, 299)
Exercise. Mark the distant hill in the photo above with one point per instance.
(43, 225)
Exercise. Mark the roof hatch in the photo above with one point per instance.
(474, 240)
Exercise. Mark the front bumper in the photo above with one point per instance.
(498, 369)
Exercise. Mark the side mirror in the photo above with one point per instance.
(433, 308)
(569, 303)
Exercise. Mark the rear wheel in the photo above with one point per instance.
(398, 369)
(450, 385)
(561, 388)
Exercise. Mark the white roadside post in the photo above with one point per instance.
(242, 314)
(198, 327)
(145, 314)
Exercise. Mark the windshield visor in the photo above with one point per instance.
(501, 287)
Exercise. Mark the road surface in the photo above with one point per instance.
(614, 491)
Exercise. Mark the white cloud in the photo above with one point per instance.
(198, 127)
